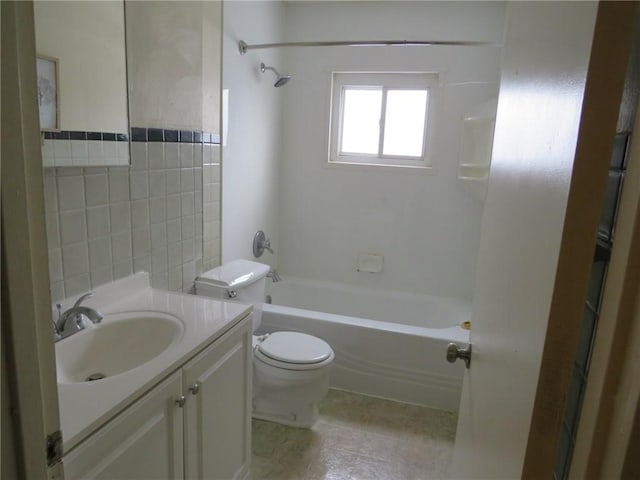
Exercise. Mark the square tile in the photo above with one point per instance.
(99, 253)
(158, 236)
(73, 227)
(118, 187)
(139, 156)
(188, 250)
(198, 224)
(157, 183)
(174, 230)
(139, 185)
(120, 217)
(156, 156)
(75, 260)
(159, 261)
(101, 276)
(160, 281)
(139, 213)
(97, 189)
(157, 210)
(208, 172)
(188, 203)
(173, 207)
(96, 152)
(172, 155)
(186, 155)
(173, 180)
(197, 179)
(141, 242)
(70, 192)
(62, 149)
(186, 180)
(188, 227)
(53, 231)
(55, 265)
(121, 248)
(77, 284)
(142, 264)
(188, 274)
(50, 193)
(174, 254)
(57, 291)
(197, 155)
(122, 269)
(98, 222)
(175, 279)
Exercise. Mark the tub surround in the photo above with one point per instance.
(84, 407)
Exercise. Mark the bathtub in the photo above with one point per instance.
(387, 344)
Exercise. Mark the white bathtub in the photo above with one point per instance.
(387, 344)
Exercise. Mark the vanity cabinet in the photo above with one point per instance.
(195, 424)
(217, 413)
(144, 441)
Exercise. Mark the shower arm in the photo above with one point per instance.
(244, 46)
(264, 68)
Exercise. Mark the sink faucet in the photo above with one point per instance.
(70, 321)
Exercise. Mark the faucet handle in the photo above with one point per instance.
(267, 245)
(82, 299)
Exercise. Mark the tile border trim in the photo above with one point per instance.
(82, 135)
(142, 134)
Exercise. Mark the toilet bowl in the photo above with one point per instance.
(290, 369)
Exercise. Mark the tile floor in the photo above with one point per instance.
(357, 437)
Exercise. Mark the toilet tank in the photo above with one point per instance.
(240, 280)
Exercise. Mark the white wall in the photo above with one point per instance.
(252, 150)
(426, 226)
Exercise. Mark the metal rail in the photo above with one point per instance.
(244, 47)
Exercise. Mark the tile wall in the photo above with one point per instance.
(107, 223)
(72, 149)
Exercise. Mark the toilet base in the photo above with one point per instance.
(303, 416)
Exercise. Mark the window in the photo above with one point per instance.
(381, 118)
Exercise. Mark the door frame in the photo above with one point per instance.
(611, 401)
(27, 335)
(603, 93)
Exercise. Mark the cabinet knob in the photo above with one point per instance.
(180, 401)
(195, 388)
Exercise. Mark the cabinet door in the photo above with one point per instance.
(218, 414)
(143, 442)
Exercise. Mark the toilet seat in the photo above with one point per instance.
(294, 351)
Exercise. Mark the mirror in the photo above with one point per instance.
(82, 83)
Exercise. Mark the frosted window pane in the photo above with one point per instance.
(404, 123)
(361, 121)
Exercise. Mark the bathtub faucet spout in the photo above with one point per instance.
(273, 275)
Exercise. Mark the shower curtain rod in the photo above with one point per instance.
(243, 46)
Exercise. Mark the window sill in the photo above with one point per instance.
(383, 167)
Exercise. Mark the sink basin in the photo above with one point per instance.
(120, 343)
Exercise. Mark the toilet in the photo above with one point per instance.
(290, 369)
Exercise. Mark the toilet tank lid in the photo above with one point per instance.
(235, 274)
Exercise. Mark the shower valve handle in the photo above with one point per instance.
(260, 244)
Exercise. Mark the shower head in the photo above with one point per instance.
(282, 79)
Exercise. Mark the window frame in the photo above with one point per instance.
(384, 81)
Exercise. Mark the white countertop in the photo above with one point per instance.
(84, 407)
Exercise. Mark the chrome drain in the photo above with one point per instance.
(95, 376)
